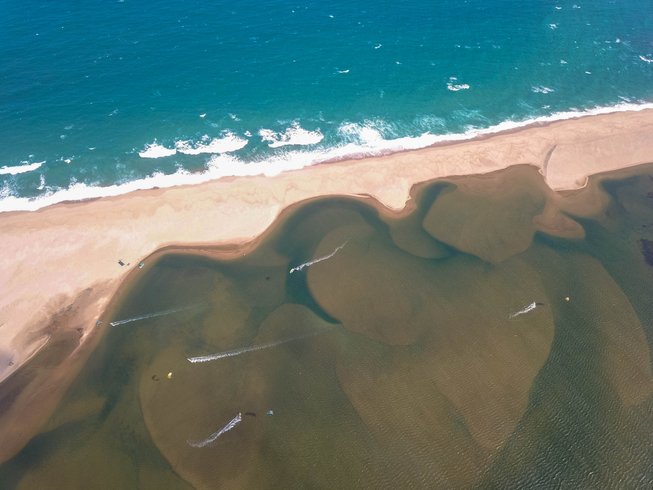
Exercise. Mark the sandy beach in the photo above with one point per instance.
(63, 261)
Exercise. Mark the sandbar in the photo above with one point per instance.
(54, 256)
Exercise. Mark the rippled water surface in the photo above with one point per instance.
(455, 347)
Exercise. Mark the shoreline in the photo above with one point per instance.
(61, 262)
(271, 168)
(597, 151)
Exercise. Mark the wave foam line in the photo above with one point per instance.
(320, 259)
(213, 437)
(150, 315)
(155, 150)
(226, 144)
(252, 348)
(20, 169)
(294, 135)
(220, 166)
(524, 310)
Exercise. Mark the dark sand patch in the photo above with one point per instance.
(370, 287)
(489, 216)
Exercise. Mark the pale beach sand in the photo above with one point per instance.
(51, 256)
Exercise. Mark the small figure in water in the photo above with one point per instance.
(270, 413)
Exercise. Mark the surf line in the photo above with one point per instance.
(319, 259)
(253, 348)
(213, 437)
(151, 315)
(525, 310)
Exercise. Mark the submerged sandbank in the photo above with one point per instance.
(423, 348)
(53, 255)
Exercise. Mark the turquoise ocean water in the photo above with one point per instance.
(101, 97)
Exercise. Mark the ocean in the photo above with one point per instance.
(103, 97)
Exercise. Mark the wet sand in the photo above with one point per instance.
(53, 255)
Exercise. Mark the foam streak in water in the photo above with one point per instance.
(20, 169)
(524, 310)
(150, 315)
(213, 437)
(320, 259)
(253, 348)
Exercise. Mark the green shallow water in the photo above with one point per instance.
(396, 359)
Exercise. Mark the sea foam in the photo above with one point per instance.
(361, 140)
(20, 169)
(294, 135)
(155, 150)
(541, 89)
(455, 87)
(226, 144)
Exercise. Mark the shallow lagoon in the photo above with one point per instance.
(407, 352)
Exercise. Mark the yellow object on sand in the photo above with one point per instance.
(170, 375)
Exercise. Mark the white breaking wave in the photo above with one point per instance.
(150, 315)
(155, 150)
(226, 144)
(294, 135)
(253, 348)
(20, 169)
(213, 437)
(541, 89)
(455, 87)
(645, 59)
(364, 140)
(320, 259)
(369, 132)
(524, 310)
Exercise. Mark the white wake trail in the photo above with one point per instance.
(213, 437)
(150, 315)
(524, 310)
(320, 259)
(253, 348)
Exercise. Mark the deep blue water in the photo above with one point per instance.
(85, 87)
